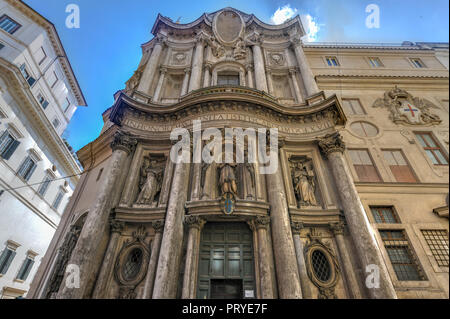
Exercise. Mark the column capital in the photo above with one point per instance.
(201, 38)
(292, 71)
(116, 226)
(331, 143)
(123, 141)
(187, 70)
(262, 222)
(160, 39)
(296, 227)
(158, 226)
(163, 70)
(207, 66)
(254, 39)
(193, 221)
(249, 67)
(337, 228)
(296, 40)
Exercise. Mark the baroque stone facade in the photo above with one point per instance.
(320, 226)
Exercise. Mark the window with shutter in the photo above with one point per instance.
(44, 186)
(8, 144)
(399, 167)
(5, 260)
(58, 199)
(25, 269)
(27, 168)
(8, 24)
(364, 167)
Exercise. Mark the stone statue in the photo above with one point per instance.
(240, 50)
(249, 178)
(304, 184)
(207, 180)
(151, 180)
(216, 48)
(227, 179)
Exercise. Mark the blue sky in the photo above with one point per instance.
(105, 50)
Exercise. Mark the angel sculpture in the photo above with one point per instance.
(150, 184)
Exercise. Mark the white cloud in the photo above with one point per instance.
(282, 14)
(311, 27)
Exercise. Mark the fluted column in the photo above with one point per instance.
(197, 64)
(158, 227)
(184, 87)
(162, 74)
(261, 224)
(338, 231)
(258, 60)
(305, 70)
(167, 273)
(285, 258)
(360, 229)
(249, 69)
(150, 69)
(101, 286)
(195, 224)
(207, 75)
(298, 94)
(97, 218)
(303, 273)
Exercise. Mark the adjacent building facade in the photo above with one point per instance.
(38, 96)
(358, 207)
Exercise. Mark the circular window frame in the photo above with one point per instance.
(334, 269)
(121, 260)
(217, 33)
(367, 122)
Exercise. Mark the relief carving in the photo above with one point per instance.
(240, 50)
(133, 82)
(406, 109)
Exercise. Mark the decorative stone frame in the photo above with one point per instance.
(326, 289)
(229, 66)
(217, 32)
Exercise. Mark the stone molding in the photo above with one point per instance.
(194, 221)
(123, 141)
(337, 228)
(158, 226)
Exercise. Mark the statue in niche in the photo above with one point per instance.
(240, 50)
(150, 181)
(304, 183)
(216, 48)
(249, 177)
(227, 179)
(206, 181)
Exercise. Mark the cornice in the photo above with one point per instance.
(232, 97)
(56, 43)
(36, 115)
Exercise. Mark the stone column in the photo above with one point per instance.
(101, 285)
(305, 70)
(197, 64)
(158, 226)
(207, 75)
(338, 231)
(258, 60)
(167, 273)
(298, 94)
(150, 69)
(303, 273)
(285, 259)
(360, 229)
(91, 235)
(184, 87)
(162, 74)
(195, 225)
(269, 81)
(249, 68)
(265, 274)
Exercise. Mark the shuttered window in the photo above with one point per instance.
(25, 269)
(27, 168)
(363, 165)
(8, 24)
(44, 186)
(26, 75)
(228, 79)
(432, 149)
(8, 144)
(6, 258)
(399, 167)
(352, 107)
(58, 199)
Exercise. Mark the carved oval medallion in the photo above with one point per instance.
(228, 26)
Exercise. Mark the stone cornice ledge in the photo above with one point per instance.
(314, 104)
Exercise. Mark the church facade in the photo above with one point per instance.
(358, 204)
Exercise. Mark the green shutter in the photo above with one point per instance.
(6, 263)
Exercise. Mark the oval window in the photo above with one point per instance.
(133, 264)
(364, 129)
(321, 266)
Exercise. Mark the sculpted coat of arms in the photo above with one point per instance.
(406, 109)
